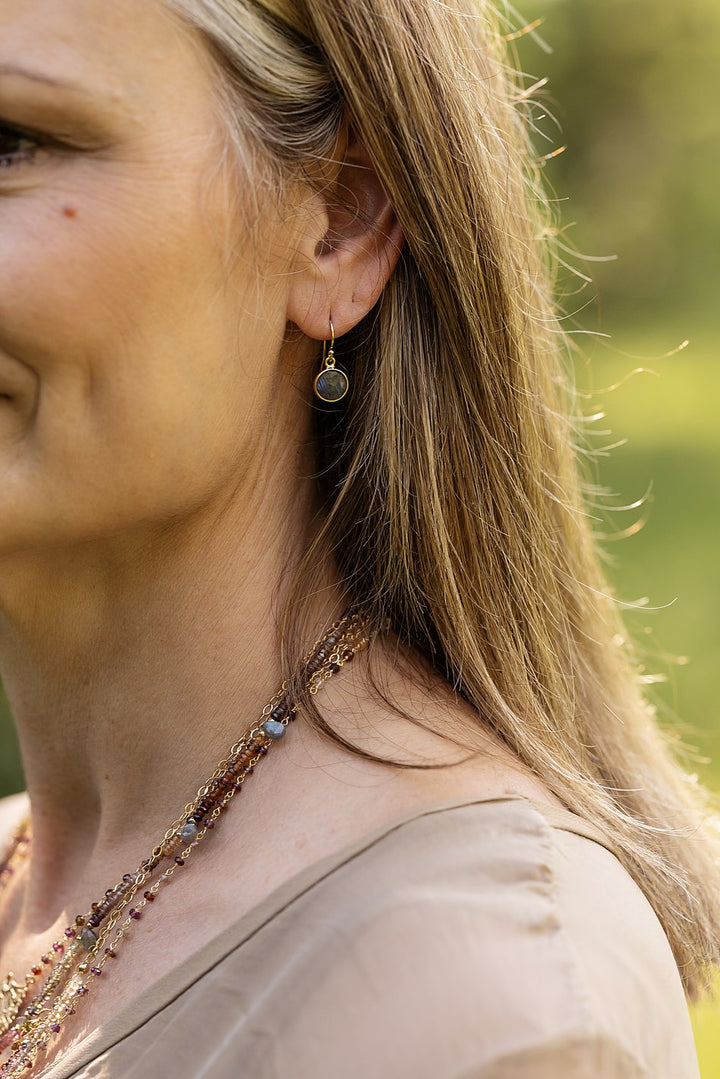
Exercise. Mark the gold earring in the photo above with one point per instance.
(332, 383)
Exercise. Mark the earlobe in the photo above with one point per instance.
(349, 250)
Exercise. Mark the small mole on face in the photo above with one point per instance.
(69, 210)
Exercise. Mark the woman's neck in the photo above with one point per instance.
(130, 669)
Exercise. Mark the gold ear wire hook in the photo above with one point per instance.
(329, 358)
(332, 383)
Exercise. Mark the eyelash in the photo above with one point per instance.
(25, 147)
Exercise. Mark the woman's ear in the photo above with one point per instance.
(348, 248)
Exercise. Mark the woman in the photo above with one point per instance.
(473, 853)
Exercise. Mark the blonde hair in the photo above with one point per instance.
(452, 498)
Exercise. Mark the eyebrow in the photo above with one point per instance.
(17, 71)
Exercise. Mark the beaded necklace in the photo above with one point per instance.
(33, 1012)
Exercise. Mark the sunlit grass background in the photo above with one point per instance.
(670, 565)
(633, 85)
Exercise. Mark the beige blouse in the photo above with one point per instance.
(486, 939)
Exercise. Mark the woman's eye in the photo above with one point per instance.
(16, 147)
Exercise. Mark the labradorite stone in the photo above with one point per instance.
(189, 832)
(273, 729)
(88, 939)
(331, 384)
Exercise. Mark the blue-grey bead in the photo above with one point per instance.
(88, 939)
(189, 832)
(273, 729)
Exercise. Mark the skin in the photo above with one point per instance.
(155, 484)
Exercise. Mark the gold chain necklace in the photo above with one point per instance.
(33, 1012)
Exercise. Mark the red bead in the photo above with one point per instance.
(179, 861)
(135, 914)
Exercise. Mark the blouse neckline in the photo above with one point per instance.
(180, 978)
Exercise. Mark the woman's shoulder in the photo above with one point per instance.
(501, 932)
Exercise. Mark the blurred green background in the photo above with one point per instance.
(633, 85)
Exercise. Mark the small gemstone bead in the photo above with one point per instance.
(135, 914)
(262, 750)
(96, 971)
(111, 953)
(171, 845)
(189, 832)
(82, 991)
(36, 970)
(210, 824)
(150, 897)
(70, 933)
(59, 948)
(88, 939)
(45, 959)
(179, 860)
(55, 1028)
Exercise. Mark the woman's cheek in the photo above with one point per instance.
(151, 366)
